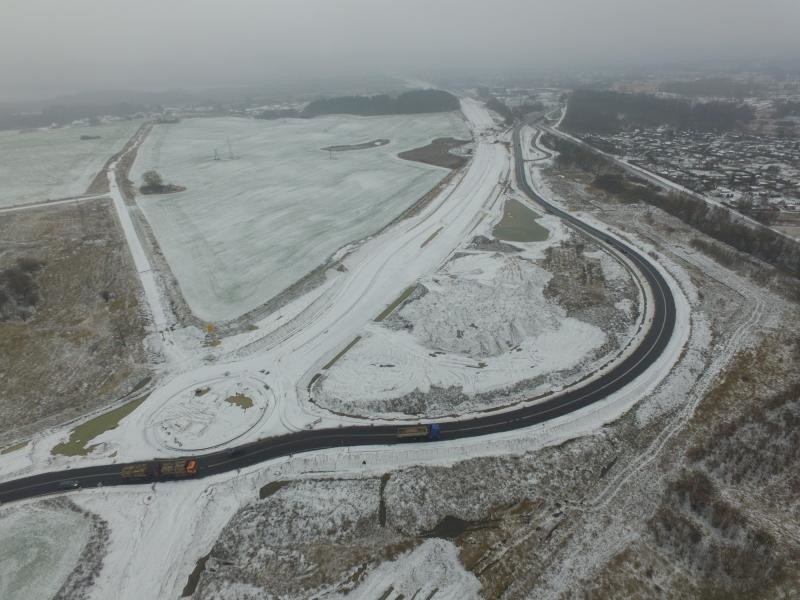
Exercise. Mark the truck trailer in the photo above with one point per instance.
(176, 468)
(159, 468)
(135, 471)
(419, 432)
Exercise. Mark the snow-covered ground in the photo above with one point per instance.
(163, 529)
(287, 349)
(40, 546)
(482, 324)
(47, 164)
(249, 226)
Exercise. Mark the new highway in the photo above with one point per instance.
(652, 344)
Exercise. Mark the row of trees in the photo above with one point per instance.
(509, 114)
(716, 87)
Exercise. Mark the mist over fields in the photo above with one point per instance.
(49, 47)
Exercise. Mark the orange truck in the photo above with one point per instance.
(176, 468)
(160, 468)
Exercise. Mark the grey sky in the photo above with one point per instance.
(69, 45)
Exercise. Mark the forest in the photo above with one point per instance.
(413, 102)
(612, 112)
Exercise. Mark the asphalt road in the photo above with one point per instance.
(637, 362)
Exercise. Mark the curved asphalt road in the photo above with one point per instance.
(652, 345)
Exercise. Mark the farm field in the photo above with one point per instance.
(275, 206)
(46, 164)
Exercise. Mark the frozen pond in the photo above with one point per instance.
(249, 226)
(39, 548)
(45, 164)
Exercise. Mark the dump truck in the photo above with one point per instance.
(176, 468)
(419, 432)
(135, 471)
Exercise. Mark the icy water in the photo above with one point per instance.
(519, 224)
(275, 206)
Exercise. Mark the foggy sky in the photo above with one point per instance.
(74, 45)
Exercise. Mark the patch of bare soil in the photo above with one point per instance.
(71, 339)
(438, 153)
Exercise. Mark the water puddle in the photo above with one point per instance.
(519, 224)
(194, 577)
(271, 488)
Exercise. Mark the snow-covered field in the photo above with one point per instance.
(249, 226)
(39, 548)
(47, 164)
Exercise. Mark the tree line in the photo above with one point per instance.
(509, 114)
(718, 87)
(412, 102)
(610, 112)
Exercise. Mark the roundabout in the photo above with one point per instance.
(212, 413)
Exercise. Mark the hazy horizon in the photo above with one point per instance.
(48, 47)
